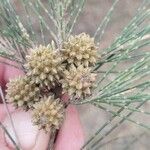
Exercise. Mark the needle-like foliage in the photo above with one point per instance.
(121, 97)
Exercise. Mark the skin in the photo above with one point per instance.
(69, 137)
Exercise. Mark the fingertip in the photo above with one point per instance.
(2, 147)
(3, 111)
(71, 134)
(30, 138)
(8, 71)
(11, 72)
(42, 141)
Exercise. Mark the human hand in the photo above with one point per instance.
(70, 136)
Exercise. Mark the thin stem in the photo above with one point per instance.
(136, 138)
(52, 139)
(105, 21)
(5, 130)
(86, 145)
(9, 115)
(80, 7)
(96, 143)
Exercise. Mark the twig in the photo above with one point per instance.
(15, 144)
(52, 139)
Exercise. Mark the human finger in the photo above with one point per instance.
(70, 135)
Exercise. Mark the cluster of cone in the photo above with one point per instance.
(47, 68)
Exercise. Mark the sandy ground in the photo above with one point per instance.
(91, 117)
